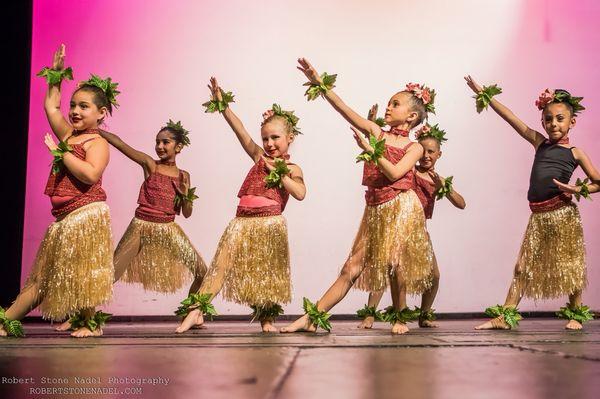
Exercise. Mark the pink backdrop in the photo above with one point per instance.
(163, 52)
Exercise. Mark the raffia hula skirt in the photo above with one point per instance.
(253, 260)
(395, 240)
(551, 261)
(74, 263)
(166, 259)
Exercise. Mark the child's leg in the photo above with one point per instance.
(374, 299)
(212, 285)
(398, 291)
(127, 249)
(198, 278)
(515, 293)
(574, 302)
(26, 301)
(350, 272)
(429, 296)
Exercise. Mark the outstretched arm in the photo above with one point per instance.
(453, 196)
(58, 123)
(89, 170)
(392, 171)
(532, 136)
(141, 158)
(253, 150)
(362, 124)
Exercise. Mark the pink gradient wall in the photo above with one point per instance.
(163, 52)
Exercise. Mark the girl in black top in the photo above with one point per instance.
(551, 262)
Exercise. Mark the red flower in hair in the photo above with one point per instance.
(420, 91)
(423, 130)
(267, 114)
(545, 98)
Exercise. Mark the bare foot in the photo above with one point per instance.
(85, 332)
(574, 325)
(399, 328)
(194, 318)
(497, 323)
(267, 326)
(367, 322)
(301, 324)
(3, 332)
(66, 326)
(427, 324)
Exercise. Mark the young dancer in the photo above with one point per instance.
(551, 262)
(392, 241)
(251, 263)
(429, 186)
(154, 250)
(73, 269)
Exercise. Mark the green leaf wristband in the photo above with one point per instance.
(315, 90)
(484, 97)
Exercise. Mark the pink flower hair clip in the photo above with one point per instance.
(546, 97)
(267, 114)
(423, 92)
(424, 130)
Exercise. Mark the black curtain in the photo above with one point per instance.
(16, 59)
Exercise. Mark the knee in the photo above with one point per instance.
(518, 272)
(350, 273)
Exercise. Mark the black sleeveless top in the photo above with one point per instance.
(552, 161)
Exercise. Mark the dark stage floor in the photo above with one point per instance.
(232, 360)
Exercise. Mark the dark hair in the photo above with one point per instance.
(417, 105)
(99, 98)
(176, 133)
(562, 93)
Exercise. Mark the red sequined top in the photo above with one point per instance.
(65, 184)
(254, 184)
(157, 198)
(425, 190)
(380, 189)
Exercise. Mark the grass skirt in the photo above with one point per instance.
(551, 261)
(74, 263)
(395, 239)
(252, 258)
(166, 259)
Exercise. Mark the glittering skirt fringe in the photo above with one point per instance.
(395, 239)
(253, 257)
(166, 259)
(74, 263)
(551, 261)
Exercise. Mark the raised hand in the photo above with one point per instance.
(476, 87)
(58, 61)
(372, 115)
(183, 186)
(215, 90)
(437, 179)
(309, 71)
(49, 141)
(269, 163)
(361, 140)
